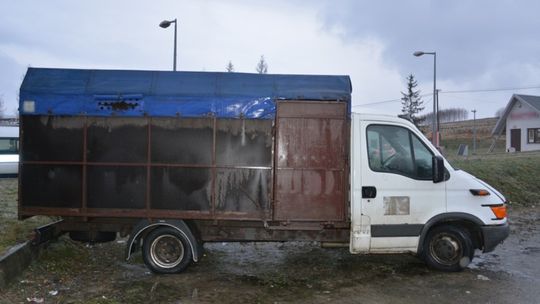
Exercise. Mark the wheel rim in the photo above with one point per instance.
(167, 251)
(446, 249)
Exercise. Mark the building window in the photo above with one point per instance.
(533, 136)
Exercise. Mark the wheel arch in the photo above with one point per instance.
(145, 226)
(468, 221)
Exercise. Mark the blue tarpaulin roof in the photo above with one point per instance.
(164, 93)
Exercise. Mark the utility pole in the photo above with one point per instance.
(474, 131)
(434, 132)
(438, 133)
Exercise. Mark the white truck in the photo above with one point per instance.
(176, 159)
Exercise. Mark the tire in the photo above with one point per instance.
(448, 248)
(166, 251)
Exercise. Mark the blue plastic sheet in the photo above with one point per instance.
(173, 94)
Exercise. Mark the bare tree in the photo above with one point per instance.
(262, 66)
(230, 67)
(446, 115)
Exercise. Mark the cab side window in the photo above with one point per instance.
(397, 150)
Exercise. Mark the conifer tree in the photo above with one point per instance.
(411, 102)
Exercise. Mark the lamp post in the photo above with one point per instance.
(435, 133)
(166, 24)
(474, 131)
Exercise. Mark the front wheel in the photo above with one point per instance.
(166, 250)
(448, 248)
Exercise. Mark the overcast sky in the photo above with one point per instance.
(480, 44)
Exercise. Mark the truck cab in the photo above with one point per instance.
(405, 197)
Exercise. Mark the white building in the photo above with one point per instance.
(521, 120)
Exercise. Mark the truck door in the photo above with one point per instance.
(398, 193)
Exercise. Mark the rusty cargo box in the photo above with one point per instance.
(186, 145)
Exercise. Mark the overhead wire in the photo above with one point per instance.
(387, 101)
(490, 90)
(454, 92)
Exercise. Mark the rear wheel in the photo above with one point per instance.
(166, 250)
(448, 248)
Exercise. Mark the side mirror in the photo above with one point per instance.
(438, 168)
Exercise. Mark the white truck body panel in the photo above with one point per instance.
(392, 220)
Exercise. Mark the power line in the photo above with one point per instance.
(378, 102)
(454, 92)
(490, 90)
(387, 101)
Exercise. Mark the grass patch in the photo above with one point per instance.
(64, 257)
(516, 175)
(12, 230)
(451, 145)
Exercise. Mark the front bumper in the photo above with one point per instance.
(493, 235)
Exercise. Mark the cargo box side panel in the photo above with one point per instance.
(182, 154)
(52, 138)
(51, 151)
(116, 172)
(186, 141)
(244, 142)
(55, 186)
(178, 188)
(114, 139)
(245, 191)
(243, 182)
(311, 161)
(121, 187)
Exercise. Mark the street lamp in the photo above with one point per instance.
(474, 131)
(435, 134)
(166, 24)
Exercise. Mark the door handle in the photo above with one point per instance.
(369, 192)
